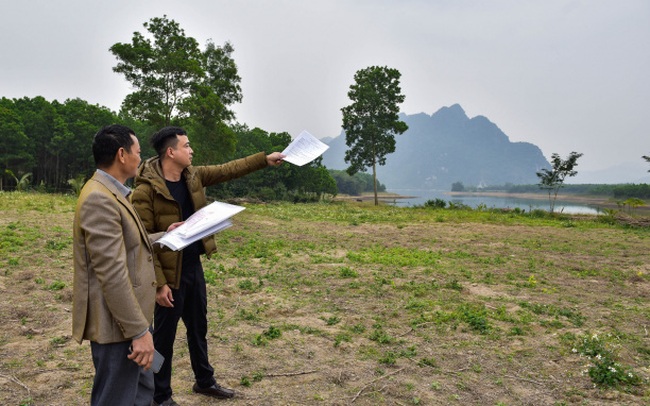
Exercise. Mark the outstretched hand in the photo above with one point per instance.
(275, 159)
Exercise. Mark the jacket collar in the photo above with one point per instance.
(122, 189)
(151, 172)
(106, 181)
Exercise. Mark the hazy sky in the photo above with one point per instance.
(565, 75)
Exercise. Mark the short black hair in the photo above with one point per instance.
(165, 138)
(108, 141)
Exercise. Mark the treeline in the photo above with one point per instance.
(46, 145)
(355, 185)
(618, 191)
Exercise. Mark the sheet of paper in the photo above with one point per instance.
(304, 149)
(211, 219)
(206, 217)
(176, 241)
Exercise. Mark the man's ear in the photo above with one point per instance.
(120, 155)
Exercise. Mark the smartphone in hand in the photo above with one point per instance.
(157, 363)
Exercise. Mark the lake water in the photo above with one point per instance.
(490, 202)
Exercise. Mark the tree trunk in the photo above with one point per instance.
(374, 182)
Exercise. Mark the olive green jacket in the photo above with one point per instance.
(158, 209)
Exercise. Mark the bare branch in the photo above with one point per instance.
(373, 381)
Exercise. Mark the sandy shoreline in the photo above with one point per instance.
(596, 200)
(604, 202)
(370, 196)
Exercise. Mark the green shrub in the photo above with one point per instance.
(435, 204)
(605, 371)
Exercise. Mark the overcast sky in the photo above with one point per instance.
(565, 75)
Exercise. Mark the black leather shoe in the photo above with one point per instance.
(215, 391)
(168, 402)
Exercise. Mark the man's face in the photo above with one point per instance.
(132, 158)
(182, 154)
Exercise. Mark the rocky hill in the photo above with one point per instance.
(446, 147)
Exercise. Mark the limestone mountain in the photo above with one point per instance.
(446, 147)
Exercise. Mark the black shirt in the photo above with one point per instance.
(191, 253)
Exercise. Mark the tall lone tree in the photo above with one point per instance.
(553, 179)
(372, 121)
(175, 82)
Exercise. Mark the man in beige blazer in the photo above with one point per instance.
(114, 281)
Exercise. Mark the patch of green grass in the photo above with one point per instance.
(516, 331)
(573, 316)
(475, 315)
(342, 337)
(57, 244)
(16, 236)
(420, 289)
(56, 285)
(347, 272)
(330, 321)
(358, 328)
(245, 381)
(249, 285)
(305, 329)
(210, 277)
(380, 336)
(270, 334)
(454, 285)
(388, 358)
(417, 305)
(253, 314)
(395, 256)
(427, 362)
(27, 402)
(58, 341)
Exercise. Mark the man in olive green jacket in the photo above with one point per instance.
(169, 189)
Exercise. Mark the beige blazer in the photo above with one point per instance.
(114, 288)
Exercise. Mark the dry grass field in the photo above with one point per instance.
(345, 303)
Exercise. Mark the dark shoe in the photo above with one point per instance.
(214, 390)
(168, 402)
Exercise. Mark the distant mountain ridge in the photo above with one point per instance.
(446, 147)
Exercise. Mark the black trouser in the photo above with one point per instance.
(190, 304)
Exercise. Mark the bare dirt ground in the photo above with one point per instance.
(355, 311)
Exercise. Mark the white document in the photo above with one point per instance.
(211, 219)
(304, 149)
